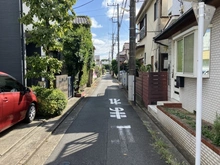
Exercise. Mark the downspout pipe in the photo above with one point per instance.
(23, 63)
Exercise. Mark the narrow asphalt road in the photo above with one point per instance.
(106, 131)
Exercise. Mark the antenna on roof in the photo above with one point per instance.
(181, 6)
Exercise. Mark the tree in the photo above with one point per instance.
(49, 21)
(78, 53)
(38, 67)
(115, 67)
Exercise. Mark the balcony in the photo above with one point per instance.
(142, 33)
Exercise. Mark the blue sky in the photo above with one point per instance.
(103, 14)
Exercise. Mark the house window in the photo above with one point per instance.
(186, 53)
(142, 27)
(206, 52)
(156, 10)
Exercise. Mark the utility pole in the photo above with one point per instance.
(109, 58)
(118, 42)
(118, 56)
(132, 59)
(113, 44)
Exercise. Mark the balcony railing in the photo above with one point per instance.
(141, 34)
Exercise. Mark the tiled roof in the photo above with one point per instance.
(126, 46)
(82, 20)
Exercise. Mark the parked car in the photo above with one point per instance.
(17, 102)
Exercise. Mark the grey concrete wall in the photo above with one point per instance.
(10, 39)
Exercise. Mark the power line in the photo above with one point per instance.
(91, 10)
(123, 11)
(83, 4)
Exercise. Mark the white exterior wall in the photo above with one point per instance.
(188, 94)
(211, 85)
(211, 98)
(147, 40)
(151, 26)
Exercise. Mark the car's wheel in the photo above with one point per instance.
(31, 113)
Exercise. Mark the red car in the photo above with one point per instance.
(16, 102)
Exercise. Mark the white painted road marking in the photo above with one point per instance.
(123, 138)
(117, 113)
(115, 101)
(129, 136)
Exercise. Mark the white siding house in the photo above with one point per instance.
(181, 36)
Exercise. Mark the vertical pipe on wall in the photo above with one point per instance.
(23, 54)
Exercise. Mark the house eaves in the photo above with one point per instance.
(140, 46)
(184, 21)
(143, 10)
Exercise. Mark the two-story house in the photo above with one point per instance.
(124, 54)
(182, 38)
(150, 20)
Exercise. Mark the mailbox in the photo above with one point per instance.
(179, 82)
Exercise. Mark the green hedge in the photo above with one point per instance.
(51, 102)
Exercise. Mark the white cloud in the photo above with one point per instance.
(98, 42)
(103, 48)
(112, 10)
(106, 2)
(94, 35)
(95, 23)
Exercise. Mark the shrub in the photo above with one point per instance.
(146, 68)
(216, 126)
(51, 102)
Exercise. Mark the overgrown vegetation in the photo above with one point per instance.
(163, 149)
(51, 102)
(146, 68)
(209, 131)
(78, 53)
